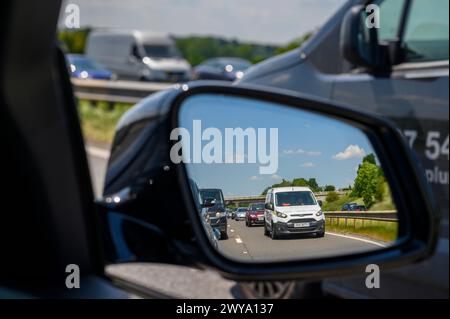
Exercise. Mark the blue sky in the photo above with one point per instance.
(264, 21)
(309, 145)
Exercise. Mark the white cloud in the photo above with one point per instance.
(302, 152)
(352, 151)
(308, 165)
(254, 178)
(275, 176)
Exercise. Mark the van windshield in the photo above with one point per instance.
(298, 198)
(161, 51)
(212, 194)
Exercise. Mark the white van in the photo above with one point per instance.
(137, 55)
(293, 210)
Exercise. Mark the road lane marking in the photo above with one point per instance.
(97, 152)
(232, 230)
(238, 240)
(357, 238)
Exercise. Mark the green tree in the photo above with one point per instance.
(312, 183)
(367, 182)
(370, 158)
(299, 182)
(329, 188)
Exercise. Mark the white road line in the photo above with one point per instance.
(97, 152)
(238, 240)
(232, 230)
(357, 238)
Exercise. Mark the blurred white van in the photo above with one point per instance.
(138, 55)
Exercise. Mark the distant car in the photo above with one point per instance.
(225, 69)
(240, 213)
(255, 214)
(216, 214)
(229, 212)
(81, 67)
(139, 55)
(353, 207)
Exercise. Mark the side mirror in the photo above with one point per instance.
(268, 206)
(320, 203)
(359, 44)
(410, 223)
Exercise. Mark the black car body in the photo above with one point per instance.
(216, 214)
(413, 93)
(353, 207)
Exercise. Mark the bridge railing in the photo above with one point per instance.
(116, 91)
(386, 216)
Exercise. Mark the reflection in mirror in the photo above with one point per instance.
(276, 183)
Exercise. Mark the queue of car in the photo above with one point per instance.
(146, 56)
(286, 211)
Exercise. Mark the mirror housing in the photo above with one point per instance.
(184, 231)
(320, 203)
(268, 206)
(361, 47)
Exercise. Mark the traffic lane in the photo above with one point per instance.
(250, 244)
(97, 162)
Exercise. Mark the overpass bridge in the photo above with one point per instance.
(240, 200)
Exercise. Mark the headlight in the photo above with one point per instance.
(319, 213)
(282, 215)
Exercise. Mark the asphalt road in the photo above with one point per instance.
(250, 244)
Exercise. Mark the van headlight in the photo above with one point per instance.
(319, 213)
(281, 215)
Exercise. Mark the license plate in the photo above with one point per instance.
(296, 225)
(261, 218)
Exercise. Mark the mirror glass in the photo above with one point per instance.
(275, 183)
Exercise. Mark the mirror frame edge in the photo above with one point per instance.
(419, 242)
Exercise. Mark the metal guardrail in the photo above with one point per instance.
(387, 216)
(116, 91)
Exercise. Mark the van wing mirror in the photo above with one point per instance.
(359, 44)
(268, 206)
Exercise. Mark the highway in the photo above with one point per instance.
(183, 282)
(250, 244)
(243, 243)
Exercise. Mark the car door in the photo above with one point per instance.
(415, 96)
(51, 219)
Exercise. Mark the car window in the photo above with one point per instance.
(426, 31)
(390, 17)
(214, 194)
(294, 198)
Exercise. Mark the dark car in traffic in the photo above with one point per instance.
(215, 214)
(224, 69)
(254, 214)
(82, 67)
(353, 207)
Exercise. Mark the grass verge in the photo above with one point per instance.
(377, 230)
(98, 121)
